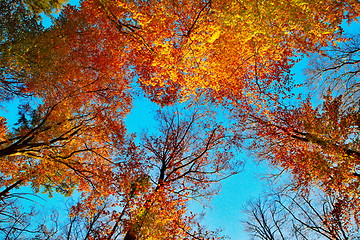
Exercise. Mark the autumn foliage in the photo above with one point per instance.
(76, 81)
(234, 51)
(317, 145)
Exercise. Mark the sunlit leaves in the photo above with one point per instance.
(317, 145)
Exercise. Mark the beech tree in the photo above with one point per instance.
(67, 128)
(187, 159)
(182, 162)
(316, 145)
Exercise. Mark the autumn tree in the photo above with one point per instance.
(316, 145)
(71, 111)
(159, 176)
(186, 160)
(295, 215)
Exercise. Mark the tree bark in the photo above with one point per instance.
(130, 235)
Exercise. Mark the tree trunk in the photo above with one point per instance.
(130, 235)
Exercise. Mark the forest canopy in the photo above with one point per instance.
(75, 82)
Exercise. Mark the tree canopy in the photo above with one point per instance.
(75, 82)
